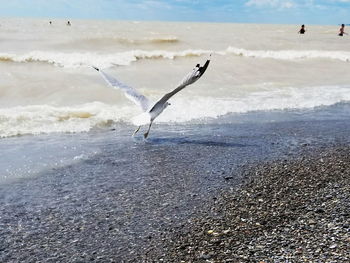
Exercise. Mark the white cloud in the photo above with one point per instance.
(281, 4)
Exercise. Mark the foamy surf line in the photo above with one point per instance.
(82, 118)
(291, 54)
(76, 59)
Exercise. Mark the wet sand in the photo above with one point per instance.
(124, 203)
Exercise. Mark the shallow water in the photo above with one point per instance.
(28, 156)
(111, 193)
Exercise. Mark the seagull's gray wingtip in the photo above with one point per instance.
(95, 68)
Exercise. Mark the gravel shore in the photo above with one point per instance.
(286, 211)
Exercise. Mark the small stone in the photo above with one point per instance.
(226, 231)
(312, 222)
(204, 256)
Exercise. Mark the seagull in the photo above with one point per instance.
(152, 111)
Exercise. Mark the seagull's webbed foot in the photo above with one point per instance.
(136, 131)
(146, 134)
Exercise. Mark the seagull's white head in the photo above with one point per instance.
(165, 105)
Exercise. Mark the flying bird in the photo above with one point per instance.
(152, 111)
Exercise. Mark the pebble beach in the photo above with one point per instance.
(286, 211)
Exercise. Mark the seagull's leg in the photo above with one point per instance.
(149, 127)
(136, 131)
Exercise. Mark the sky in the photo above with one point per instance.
(324, 12)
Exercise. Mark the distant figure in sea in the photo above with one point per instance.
(302, 29)
(50, 22)
(68, 23)
(341, 30)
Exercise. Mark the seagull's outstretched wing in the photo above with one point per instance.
(190, 78)
(129, 92)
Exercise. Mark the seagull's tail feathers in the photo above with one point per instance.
(142, 119)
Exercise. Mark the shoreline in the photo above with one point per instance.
(122, 203)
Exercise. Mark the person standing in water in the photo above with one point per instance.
(302, 29)
(341, 30)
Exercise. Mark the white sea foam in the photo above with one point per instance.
(183, 110)
(79, 59)
(48, 119)
(291, 54)
(38, 119)
(76, 59)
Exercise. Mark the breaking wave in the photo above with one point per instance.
(128, 41)
(290, 54)
(164, 40)
(75, 60)
(38, 119)
(80, 59)
(82, 118)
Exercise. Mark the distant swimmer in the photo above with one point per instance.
(341, 30)
(50, 22)
(68, 23)
(302, 29)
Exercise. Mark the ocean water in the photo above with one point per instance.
(48, 86)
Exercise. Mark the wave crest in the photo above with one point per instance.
(75, 60)
(290, 54)
(38, 119)
(164, 40)
(82, 118)
(127, 41)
